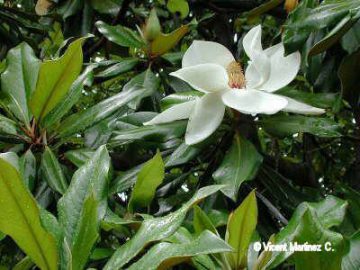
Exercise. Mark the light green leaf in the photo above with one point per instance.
(120, 35)
(20, 219)
(178, 98)
(165, 42)
(55, 79)
(70, 99)
(311, 223)
(240, 164)
(75, 207)
(241, 226)
(202, 222)
(79, 156)
(155, 229)
(52, 172)
(19, 80)
(180, 6)
(165, 255)
(149, 178)
(287, 125)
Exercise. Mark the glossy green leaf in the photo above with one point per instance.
(155, 229)
(240, 164)
(85, 201)
(147, 82)
(82, 120)
(165, 42)
(20, 218)
(202, 222)
(241, 225)
(69, 100)
(27, 164)
(178, 98)
(166, 255)
(19, 80)
(156, 133)
(287, 125)
(52, 171)
(351, 40)
(149, 178)
(80, 156)
(55, 79)
(311, 223)
(121, 66)
(183, 154)
(7, 126)
(111, 7)
(120, 35)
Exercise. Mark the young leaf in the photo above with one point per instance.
(19, 80)
(202, 222)
(155, 229)
(75, 207)
(52, 172)
(149, 178)
(240, 164)
(241, 226)
(55, 78)
(165, 42)
(165, 255)
(20, 218)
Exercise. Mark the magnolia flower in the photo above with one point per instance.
(209, 67)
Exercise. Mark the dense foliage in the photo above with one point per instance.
(84, 184)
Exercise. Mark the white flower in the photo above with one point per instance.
(209, 67)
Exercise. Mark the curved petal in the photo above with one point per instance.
(205, 118)
(205, 77)
(253, 101)
(206, 52)
(283, 69)
(176, 112)
(295, 106)
(252, 42)
(258, 70)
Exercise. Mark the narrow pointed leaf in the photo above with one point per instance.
(55, 79)
(149, 178)
(19, 80)
(155, 229)
(165, 255)
(20, 218)
(52, 171)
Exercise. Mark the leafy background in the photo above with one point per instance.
(84, 185)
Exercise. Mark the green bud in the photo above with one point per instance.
(152, 27)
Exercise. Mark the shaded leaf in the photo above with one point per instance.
(149, 178)
(240, 164)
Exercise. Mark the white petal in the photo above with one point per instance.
(176, 112)
(295, 106)
(283, 69)
(252, 42)
(204, 52)
(253, 101)
(258, 70)
(205, 118)
(205, 77)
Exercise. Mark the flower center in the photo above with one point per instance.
(236, 75)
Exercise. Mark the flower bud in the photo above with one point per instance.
(152, 27)
(290, 5)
